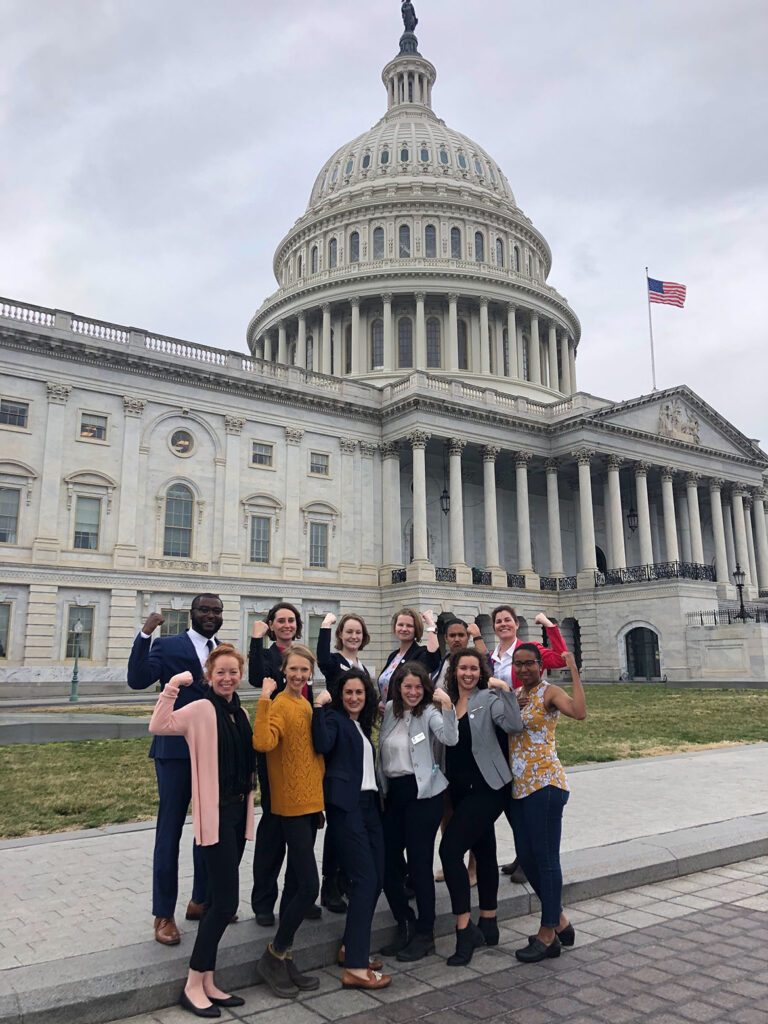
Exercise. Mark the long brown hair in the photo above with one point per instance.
(451, 685)
(410, 668)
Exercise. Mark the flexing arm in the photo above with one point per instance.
(325, 659)
(325, 726)
(256, 667)
(167, 722)
(433, 644)
(505, 710)
(477, 640)
(442, 720)
(267, 726)
(575, 706)
(552, 656)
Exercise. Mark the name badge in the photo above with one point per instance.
(418, 738)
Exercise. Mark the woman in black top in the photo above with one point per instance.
(408, 628)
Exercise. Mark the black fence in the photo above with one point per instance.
(725, 616)
(657, 571)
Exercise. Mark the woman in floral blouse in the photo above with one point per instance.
(539, 794)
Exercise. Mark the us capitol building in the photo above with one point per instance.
(407, 429)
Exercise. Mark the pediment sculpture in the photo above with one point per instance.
(676, 422)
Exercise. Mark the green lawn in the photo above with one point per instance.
(59, 786)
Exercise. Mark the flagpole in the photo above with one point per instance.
(650, 328)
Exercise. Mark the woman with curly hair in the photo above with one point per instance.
(478, 777)
(341, 732)
(416, 718)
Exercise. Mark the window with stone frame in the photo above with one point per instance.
(463, 353)
(318, 545)
(378, 243)
(93, 426)
(319, 464)
(405, 343)
(261, 539)
(263, 454)
(499, 253)
(79, 641)
(179, 513)
(479, 247)
(404, 239)
(430, 241)
(176, 621)
(313, 260)
(10, 501)
(5, 627)
(354, 247)
(433, 342)
(87, 522)
(377, 344)
(13, 413)
(333, 252)
(456, 252)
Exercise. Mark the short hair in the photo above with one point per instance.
(418, 622)
(269, 618)
(451, 686)
(534, 650)
(302, 651)
(221, 651)
(410, 668)
(367, 716)
(503, 608)
(202, 597)
(342, 623)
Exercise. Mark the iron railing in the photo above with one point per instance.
(481, 578)
(399, 575)
(515, 580)
(444, 575)
(657, 571)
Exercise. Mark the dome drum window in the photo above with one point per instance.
(384, 158)
(350, 166)
(479, 247)
(335, 175)
(333, 252)
(354, 247)
(478, 167)
(405, 343)
(424, 155)
(444, 159)
(404, 239)
(405, 155)
(378, 243)
(462, 161)
(366, 163)
(430, 241)
(456, 244)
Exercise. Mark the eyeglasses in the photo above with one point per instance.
(523, 664)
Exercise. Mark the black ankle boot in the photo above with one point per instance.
(467, 941)
(401, 939)
(421, 945)
(489, 926)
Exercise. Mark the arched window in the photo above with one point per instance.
(444, 157)
(478, 167)
(463, 352)
(310, 351)
(479, 246)
(348, 349)
(349, 167)
(354, 247)
(366, 161)
(405, 342)
(179, 506)
(505, 346)
(405, 155)
(499, 253)
(384, 157)
(424, 155)
(430, 241)
(455, 243)
(433, 341)
(333, 250)
(300, 266)
(526, 343)
(313, 259)
(335, 175)
(377, 345)
(378, 243)
(405, 241)
(516, 259)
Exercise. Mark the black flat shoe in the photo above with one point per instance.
(567, 936)
(467, 941)
(537, 950)
(229, 1001)
(314, 913)
(265, 919)
(208, 1011)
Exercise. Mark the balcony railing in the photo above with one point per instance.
(557, 583)
(444, 575)
(399, 575)
(725, 616)
(657, 571)
(515, 580)
(481, 578)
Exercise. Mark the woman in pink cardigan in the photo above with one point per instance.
(218, 733)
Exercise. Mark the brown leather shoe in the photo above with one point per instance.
(374, 980)
(195, 910)
(373, 962)
(166, 931)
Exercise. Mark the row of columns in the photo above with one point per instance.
(750, 538)
(551, 352)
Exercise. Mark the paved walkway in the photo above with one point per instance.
(682, 951)
(79, 903)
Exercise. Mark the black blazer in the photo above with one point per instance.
(429, 659)
(337, 738)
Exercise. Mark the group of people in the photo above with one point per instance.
(462, 739)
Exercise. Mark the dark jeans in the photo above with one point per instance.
(268, 857)
(410, 825)
(301, 880)
(360, 845)
(475, 809)
(222, 861)
(174, 789)
(537, 823)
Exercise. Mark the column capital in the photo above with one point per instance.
(347, 445)
(386, 297)
(302, 315)
(641, 468)
(420, 296)
(280, 325)
(760, 494)
(234, 424)
(552, 465)
(456, 445)
(692, 479)
(293, 435)
(583, 456)
(747, 500)
(326, 307)
(716, 483)
(483, 301)
(490, 451)
(453, 297)
(667, 473)
(389, 449)
(57, 394)
(534, 316)
(355, 301)
(522, 459)
(367, 449)
(133, 406)
(739, 491)
(511, 307)
(613, 462)
(419, 438)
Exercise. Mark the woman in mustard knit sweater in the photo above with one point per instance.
(282, 730)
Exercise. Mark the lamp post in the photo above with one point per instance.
(739, 576)
(77, 629)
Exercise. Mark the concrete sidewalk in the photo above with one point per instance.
(76, 935)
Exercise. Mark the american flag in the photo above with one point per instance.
(668, 292)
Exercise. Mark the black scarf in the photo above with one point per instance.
(237, 760)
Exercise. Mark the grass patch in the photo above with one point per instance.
(56, 787)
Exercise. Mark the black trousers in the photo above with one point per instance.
(222, 861)
(475, 809)
(302, 883)
(360, 846)
(410, 826)
(268, 857)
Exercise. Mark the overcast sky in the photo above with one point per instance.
(154, 153)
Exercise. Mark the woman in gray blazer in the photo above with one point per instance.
(479, 777)
(416, 719)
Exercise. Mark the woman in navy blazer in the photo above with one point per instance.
(341, 731)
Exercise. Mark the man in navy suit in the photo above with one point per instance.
(184, 652)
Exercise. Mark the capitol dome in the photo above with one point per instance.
(413, 255)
